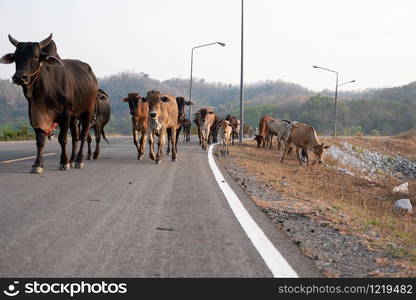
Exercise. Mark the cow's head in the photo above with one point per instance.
(203, 117)
(155, 100)
(181, 102)
(29, 57)
(133, 100)
(318, 150)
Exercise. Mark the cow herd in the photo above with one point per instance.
(65, 93)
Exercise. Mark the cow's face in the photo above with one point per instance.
(133, 100)
(203, 118)
(181, 102)
(155, 100)
(318, 150)
(29, 57)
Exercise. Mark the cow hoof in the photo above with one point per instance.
(152, 157)
(158, 162)
(79, 165)
(174, 159)
(37, 170)
(64, 167)
(95, 156)
(88, 157)
(72, 164)
(140, 157)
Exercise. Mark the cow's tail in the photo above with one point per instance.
(103, 134)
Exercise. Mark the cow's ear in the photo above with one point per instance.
(8, 59)
(53, 61)
(326, 147)
(189, 103)
(210, 112)
(125, 99)
(144, 99)
(164, 99)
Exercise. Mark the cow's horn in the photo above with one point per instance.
(46, 41)
(13, 40)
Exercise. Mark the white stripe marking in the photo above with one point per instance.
(24, 158)
(271, 256)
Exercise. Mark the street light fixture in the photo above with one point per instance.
(192, 63)
(336, 95)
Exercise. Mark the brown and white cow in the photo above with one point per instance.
(225, 134)
(163, 115)
(139, 111)
(206, 119)
(304, 137)
(181, 103)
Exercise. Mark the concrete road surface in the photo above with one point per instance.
(120, 217)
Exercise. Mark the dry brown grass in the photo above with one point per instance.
(351, 204)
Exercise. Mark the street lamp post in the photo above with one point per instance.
(336, 95)
(242, 77)
(192, 63)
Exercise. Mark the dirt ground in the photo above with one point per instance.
(341, 213)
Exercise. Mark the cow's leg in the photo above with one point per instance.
(151, 145)
(89, 139)
(85, 123)
(175, 134)
(161, 141)
(142, 144)
(75, 137)
(169, 133)
(135, 138)
(97, 131)
(63, 131)
(297, 155)
(178, 132)
(285, 152)
(38, 166)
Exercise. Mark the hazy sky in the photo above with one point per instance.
(373, 42)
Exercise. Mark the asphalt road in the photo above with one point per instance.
(120, 217)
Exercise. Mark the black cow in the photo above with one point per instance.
(58, 91)
(213, 134)
(100, 119)
(181, 102)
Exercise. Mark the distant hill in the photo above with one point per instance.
(282, 99)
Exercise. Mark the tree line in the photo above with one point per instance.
(375, 111)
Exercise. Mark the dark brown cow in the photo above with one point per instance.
(101, 118)
(304, 137)
(163, 115)
(196, 121)
(181, 103)
(213, 134)
(58, 91)
(205, 120)
(186, 130)
(139, 112)
(262, 135)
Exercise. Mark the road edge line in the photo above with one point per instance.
(273, 259)
(24, 158)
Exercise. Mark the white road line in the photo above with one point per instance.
(271, 256)
(24, 158)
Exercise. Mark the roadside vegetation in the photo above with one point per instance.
(16, 132)
(351, 199)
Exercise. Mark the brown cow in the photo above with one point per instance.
(139, 111)
(304, 137)
(262, 136)
(205, 120)
(196, 121)
(163, 115)
(248, 130)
